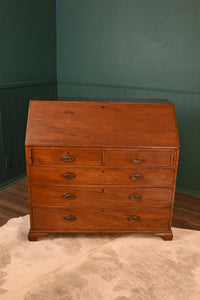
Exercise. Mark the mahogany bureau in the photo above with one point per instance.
(104, 167)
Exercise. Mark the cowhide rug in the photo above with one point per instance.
(98, 267)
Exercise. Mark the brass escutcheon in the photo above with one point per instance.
(133, 218)
(136, 176)
(70, 218)
(69, 196)
(135, 197)
(68, 158)
(69, 175)
(137, 159)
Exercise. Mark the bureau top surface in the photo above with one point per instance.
(101, 124)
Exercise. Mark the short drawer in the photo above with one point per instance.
(66, 156)
(104, 219)
(138, 158)
(143, 177)
(100, 196)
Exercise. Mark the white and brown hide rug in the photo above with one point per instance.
(98, 267)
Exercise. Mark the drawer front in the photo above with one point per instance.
(105, 219)
(138, 158)
(100, 196)
(65, 175)
(66, 156)
(143, 177)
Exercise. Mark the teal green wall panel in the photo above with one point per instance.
(14, 109)
(1, 136)
(28, 40)
(27, 69)
(2, 174)
(152, 43)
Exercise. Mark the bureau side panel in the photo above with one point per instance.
(28, 165)
(175, 160)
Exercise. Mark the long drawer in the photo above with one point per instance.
(147, 177)
(96, 219)
(100, 196)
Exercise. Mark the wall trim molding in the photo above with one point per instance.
(19, 84)
(135, 86)
(188, 191)
(12, 181)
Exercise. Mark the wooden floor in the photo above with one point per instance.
(14, 203)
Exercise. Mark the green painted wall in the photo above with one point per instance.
(27, 69)
(28, 32)
(150, 43)
(136, 48)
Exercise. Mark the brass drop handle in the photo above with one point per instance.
(69, 175)
(133, 218)
(137, 159)
(69, 196)
(136, 176)
(135, 197)
(68, 158)
(70, 218)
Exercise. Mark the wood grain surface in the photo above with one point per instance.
(66, 156)
(86, 124)
(94, 196)
(100, 219)
(138, 158)
(150, 177)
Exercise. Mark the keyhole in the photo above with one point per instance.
(102, 190)
(102, 211)
(103, 171)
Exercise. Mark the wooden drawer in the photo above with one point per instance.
(100, 219)
(138, 158)
(66, 156)
(143, 177)
(58, 175)
(100, 196)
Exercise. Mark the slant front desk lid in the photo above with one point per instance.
(101, 124)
